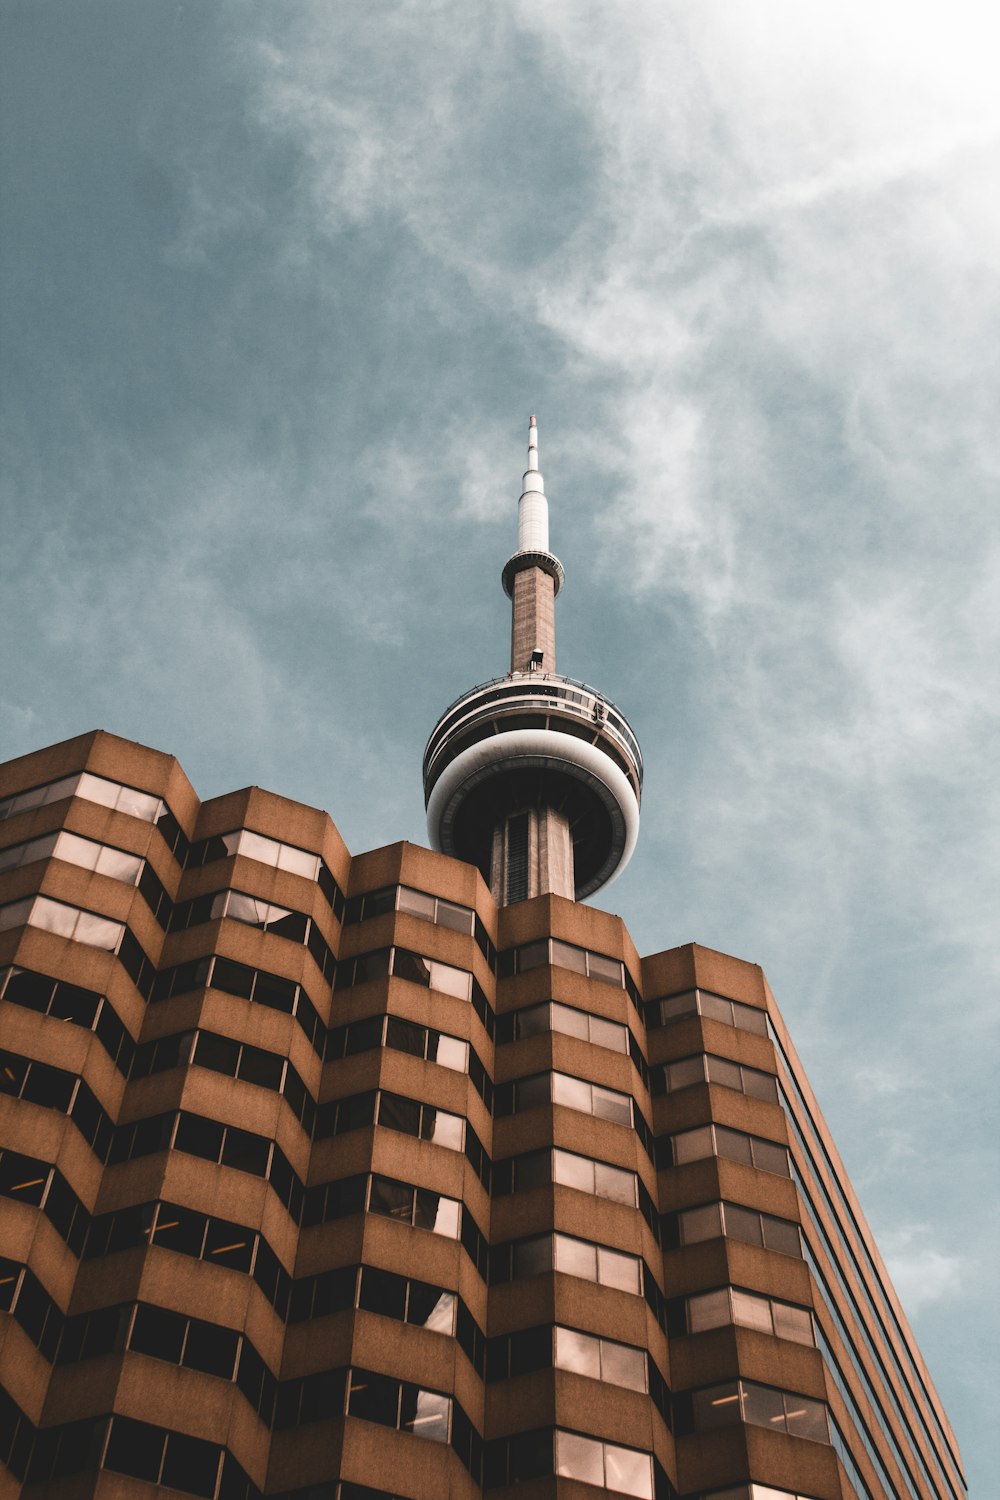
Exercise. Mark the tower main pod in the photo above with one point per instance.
(536, 778)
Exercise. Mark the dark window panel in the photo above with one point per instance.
(158, 1332)
(211, 1349)
(191, 1464)
(135, 1448)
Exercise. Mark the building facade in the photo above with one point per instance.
(347, 1178)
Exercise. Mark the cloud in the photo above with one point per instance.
(921, 1274)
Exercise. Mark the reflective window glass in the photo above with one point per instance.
(425, 1414)
(760, 1085)
(614, 1183)
(179, 1229)
(53, 916)
(689, 1070)
(98, 932)
(678, 1006)
(118, 865)
(573, 1171)
(532, 1257)
(158, 1332)
(568, 957)
(608, 1104)
(415, 904)
(717, 1407)
(733, 1145)
(806, 1419)
(616, 1269)
(409, 966)
(574, 1093)
(450, 981)
(751, 1311)
(608, 1034)
(298, 861)
(533, 955)
(607, 969)
(724, 1072)
(566, 1019)
(449, 1052)
(793, 1323)
(229, 1245)
(431, 1308)
(763, 1407)
(693, 1145)
(703, 1223)
(530, 1092)
(768, 1156)
(628, 1471)
(578, 1352)
(375, 1398)
(17, 913)
(781, 1235)
(708, 1310)
(256, 846)
(442, 1128)
(445, 1217)
(403, 1036)
(622, 1365)
(394, 1199)
(715, 1008)
(534, 1020)
(579, 1458)
(458, 918)
(743, 1224)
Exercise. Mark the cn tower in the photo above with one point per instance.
(534, 777)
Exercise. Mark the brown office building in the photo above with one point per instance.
(403, 1174)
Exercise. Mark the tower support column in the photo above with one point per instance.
(532, 855)
(533, 622)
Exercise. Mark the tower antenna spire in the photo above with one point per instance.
(535, 777)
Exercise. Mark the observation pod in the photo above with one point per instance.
(536, 778)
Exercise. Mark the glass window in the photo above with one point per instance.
(751, 1311)
(623, 1365)
(719, 1406)
(266, 1069)
(404, 1036)
(415, 904)
(134, 1448)
(689, 1070)
(533, 1091)
(229, 1244)
(179, 1229)
(574, 1093)
(297, 861)
(17, 913)
(425, 1414)
(616, 1269)
(245, 1151)
(693, 1145)
(793, 1323)
(53, 916)
(217, 1052)
(458, 918)
(806, 1419)
(442, 1128)
(199, 1137)
(628, 1471)
(608, 1034)
(158, 1332)
(431, 1308)
(397, 1113)
(450, 981)
(535, 1019)
(442, 1213)
(743, 1224)
(768, 1156)
(449, 1052)
(409, 966)
(614, 1183)
(610, 1105)
(98, 932)
(733, 1145)
(573, 1171)
(607, 969)
(781, 1235)
(533, 955)
(375, 1398)
(724, 1072)
(566, 956)
(233, 978)
(394, 1199)
(532, 1257)
(211, 1349)
(709, 1310)
(763, 1407)
(758, 1085)
(383, 1292)
(704, 1223)
(579, 1458)
(578, 1352)
(191, 1464)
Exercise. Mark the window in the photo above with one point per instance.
(705, 1067)
(749, 1310)
(419, 1041)
(416, 1206)
(738, 1223)
(396, 1403)
(91, 788)
(562, 1088)
(734, 1145)
(417, 970)
(535, 1168)
(65, 921)
(567, 956)
(170, 1458)
(55, 1088)
(760, 1406)
(267, 851)
(554, 1016)
(604, 1464)
(599, 1358)
(256, 985)
(713, 1007)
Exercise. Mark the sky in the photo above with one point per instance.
(280, 287)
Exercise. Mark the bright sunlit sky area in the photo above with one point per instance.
(281, 285)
